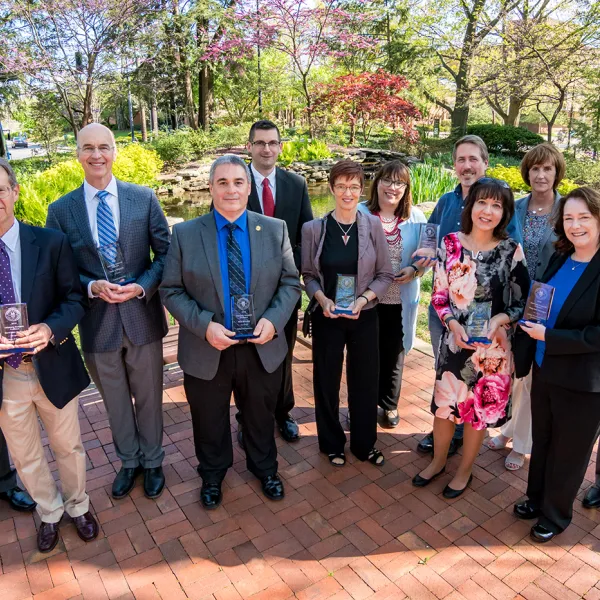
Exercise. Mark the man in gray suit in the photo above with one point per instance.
(218, 265)
(121, 333)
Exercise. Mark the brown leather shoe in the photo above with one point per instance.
(47, 537)
(87, 527)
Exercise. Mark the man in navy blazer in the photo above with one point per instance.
(37, 268)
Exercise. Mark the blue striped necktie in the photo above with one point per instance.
(107, 232)
(235, 264)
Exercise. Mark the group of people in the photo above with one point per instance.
(231, 279)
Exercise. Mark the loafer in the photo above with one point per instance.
(391, 419)
(425, 446)
(451, 493)
(211, 495)
(18, 499)
(154, 482)
(419, 481)
(592, 498)
(47, 536)
(124, 482)
(540, 534)
(240, 438)
(272, 487)
(289, 429)
(524, 510)
(87, 527)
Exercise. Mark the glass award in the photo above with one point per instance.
(478, 322)
(428, 241)
(13, 319)
(113, 264)
(539, 302)
(345, 294)
(243, 319)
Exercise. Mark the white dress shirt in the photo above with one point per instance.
(13, 248)
(258, 180)
(92, 201)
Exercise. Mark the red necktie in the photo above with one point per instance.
(268, 202)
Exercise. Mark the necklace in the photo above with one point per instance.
(345, 232)
(576, 264)
(391, 229)
(537, 211)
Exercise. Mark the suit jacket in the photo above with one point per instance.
(292, 205)
(142, 228)
(50, 287)
(573, 345)
(192, 288)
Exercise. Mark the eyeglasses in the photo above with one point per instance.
(5, 192)
(103, 149)
(391, 183)
(499, 182)
(340, 188)
(262, 145)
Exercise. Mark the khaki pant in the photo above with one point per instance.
(23, 401)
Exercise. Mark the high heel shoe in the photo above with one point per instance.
(419, 481)
(451, 493)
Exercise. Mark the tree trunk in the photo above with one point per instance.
(458, 123)
(143, 120)
(352, 132)
(205, 96)
(308, 104)
(514, 111)
(154, 113)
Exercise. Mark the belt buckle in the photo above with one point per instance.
(27, 358)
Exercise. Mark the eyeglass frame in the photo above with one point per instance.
(354, 189)
(262, 144)
(8, 189)
(500, 182)
(393, 184)
(90, 150)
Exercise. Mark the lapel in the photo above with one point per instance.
(255, 234)
(29, 257)
(549, 229)
(80, 215)
(280, 193)
(362, 223)
(253, 201)
(211, 249)
(125, 213)
(521, 210)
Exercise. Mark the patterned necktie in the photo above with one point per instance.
(268, 202)
(235, 265)
(107, 232)
(7, 294)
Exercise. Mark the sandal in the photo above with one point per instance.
(514, 461)
(340, 458)
(497, 443)
(376, 457)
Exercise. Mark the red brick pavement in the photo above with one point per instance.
(342, 533)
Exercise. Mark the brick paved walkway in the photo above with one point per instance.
(352, 533)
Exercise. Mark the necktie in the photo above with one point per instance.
(268, 202)
(235, 265)
(107, 232)
(7, 294)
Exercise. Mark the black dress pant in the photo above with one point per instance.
(565, 426)
(285, 399)
(240, 371)
(360, 339)
(391, 354)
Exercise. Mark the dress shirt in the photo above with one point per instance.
(258, 180)
(13, 247)
(242, 237)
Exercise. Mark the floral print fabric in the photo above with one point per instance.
(474, 386)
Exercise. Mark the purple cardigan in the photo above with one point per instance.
(374, 266)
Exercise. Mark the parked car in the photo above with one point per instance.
(20, 141)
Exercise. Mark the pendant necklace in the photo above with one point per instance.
(537, 211)
(576, 264)
(345, 232)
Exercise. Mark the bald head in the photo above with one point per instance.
(96, 151)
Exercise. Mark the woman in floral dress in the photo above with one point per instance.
(480, 271)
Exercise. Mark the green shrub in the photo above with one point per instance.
(174, 148)
(428, 182)
(228, 136)
(137, 164)
(506, 139)
(25, 167)
(584, 171)
(512, 176)
(303, 150)
(200, 142)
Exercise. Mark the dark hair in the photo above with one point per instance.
(540, 154)
(346, 168)
(487, 187)
(394, 167)
(591, 198)
(263, 125)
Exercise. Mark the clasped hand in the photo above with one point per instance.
(495, 331)
(329, 306)
(36, 337)
(219, 337)
(537, 331)
(113, 293)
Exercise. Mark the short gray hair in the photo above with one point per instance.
(12, 178)
(472, 139)
(228, 159)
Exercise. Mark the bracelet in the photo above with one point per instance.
(416, 273)
(363, 296)
(447, 321)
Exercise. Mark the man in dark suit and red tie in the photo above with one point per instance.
(283, 195)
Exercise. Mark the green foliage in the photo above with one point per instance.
(506, 139)
(584, 171)
(303, 150)
(174, 148)
(137, 164)
(512, 176)
(230, 135)
(429, 182)
(25, 167)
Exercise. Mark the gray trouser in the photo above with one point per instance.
(137, 427)
(8, 476)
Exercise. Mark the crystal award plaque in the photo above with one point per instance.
(428, 241)
(13, 319)
(478, 322)
(243, 319)
(539, 302)
(113, 264)
(345, 294)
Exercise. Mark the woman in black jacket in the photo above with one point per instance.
(565, 352)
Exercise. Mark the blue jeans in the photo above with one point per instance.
(436, 329)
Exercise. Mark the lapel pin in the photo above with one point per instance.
(258, 228)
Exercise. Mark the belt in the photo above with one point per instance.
(27, 358)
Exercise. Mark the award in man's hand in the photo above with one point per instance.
(243, 319)
(13, 319)
(345, 294)
(113, 264)
(478, 322)
(428, 242)
(539, 302)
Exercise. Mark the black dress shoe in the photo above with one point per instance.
(391, 418)
(18, 499)
(289, 429)
(154, 482)
(419, 481)
(451, 493)
(87, 527)
(524, 510)
(272, 487)
(240, 438)
(426, 445)
(540, 534)
(47, 536)
(124, 482)
(210, 495)
(592, 497)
